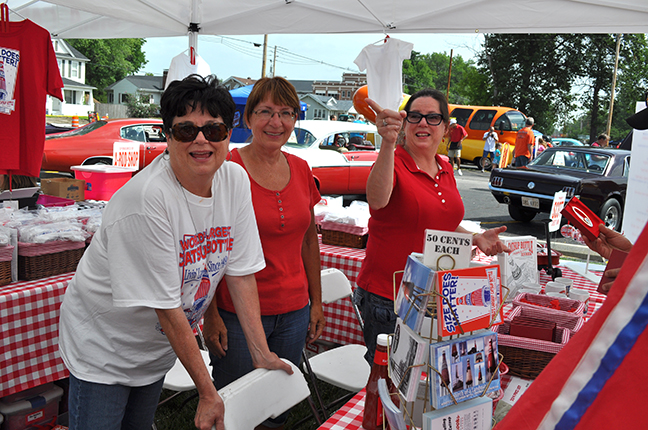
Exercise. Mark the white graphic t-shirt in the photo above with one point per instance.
(158, 247)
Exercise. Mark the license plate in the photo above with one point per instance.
(531, 202)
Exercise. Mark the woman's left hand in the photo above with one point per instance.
(317, 323)
(489, 243)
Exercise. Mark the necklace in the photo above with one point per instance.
(184, 194)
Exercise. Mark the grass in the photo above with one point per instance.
(170, 417)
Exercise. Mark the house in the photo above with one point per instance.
(148, 88)
(234, 82)
(343, 90)
(323, 107)
(77, 96)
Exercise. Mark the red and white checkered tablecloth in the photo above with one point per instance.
(341, 323)
(29, 314)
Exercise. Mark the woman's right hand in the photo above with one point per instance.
(389, 123)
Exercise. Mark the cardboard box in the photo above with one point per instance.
(64, 187)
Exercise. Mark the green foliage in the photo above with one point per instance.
(110, 61)
(138, 108)
(431, 71)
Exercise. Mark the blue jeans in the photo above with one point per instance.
(286, 336)
(95, 406)
(521, 161)
(378, 315)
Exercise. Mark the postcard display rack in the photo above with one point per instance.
(443, 355)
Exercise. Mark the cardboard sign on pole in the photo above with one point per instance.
(556, 207)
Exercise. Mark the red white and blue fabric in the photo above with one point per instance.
(596, 379)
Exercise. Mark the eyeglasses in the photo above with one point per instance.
(284, 115)
(431, 118)
(187, 132)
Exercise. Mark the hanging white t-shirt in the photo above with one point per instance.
(148, 255)
(181, 67)
(384, 65)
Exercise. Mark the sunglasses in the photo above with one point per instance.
(215, 132)
(431, 118)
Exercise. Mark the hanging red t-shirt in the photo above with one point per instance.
(28, 72)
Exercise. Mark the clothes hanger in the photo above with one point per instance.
(382, 40)
(4, 17)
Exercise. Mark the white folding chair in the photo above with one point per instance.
(262, 394)
(345, 366)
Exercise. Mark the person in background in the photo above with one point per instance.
(456, 135)
(166, 239)
(284, 194)
(490, 141)
(498, 155)
(541, 146)
(602, 141)
(333, 118)
(411, 188)
(608, 241)
(524, 142)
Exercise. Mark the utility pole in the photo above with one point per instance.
(449, 75)
(265, 54)
(274, 62)
(614, 78)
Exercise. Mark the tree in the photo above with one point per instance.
(532, 73)
(110, 60)
(431, 71)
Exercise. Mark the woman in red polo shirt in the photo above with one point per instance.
(410, 189)
(283, 195)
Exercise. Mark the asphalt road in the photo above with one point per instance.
(481, 206)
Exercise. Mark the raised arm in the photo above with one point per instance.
(381, 179)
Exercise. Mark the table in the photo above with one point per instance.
(29, 314)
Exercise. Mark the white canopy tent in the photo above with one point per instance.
(151, 18)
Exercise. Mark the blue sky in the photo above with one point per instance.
(299, 56)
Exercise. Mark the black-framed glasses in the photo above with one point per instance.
(431, 118)
(187, 132)
(284, 115)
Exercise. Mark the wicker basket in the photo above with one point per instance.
(6, 255)
(37, 261)
(573, 307)
(341, 238)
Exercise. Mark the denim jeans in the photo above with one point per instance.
(286, 336)
(521, 161)
(95, 406)
(378, 315)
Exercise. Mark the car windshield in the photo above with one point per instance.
(300, 138)
(573, 160)
(79, 131)
(513, 121)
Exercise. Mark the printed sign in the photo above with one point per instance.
(126, 155)
(556, 208)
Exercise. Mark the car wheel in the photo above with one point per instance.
(522, 215)
(98, 161)
(488, 163)
(611, 214)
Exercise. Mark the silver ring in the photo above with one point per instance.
(384, 123)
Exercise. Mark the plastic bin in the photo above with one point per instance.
(102, 181)
(32, 408)
(50, 201)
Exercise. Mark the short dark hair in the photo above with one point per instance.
(193, 92)
(436, 95)
(280, 91)
(603, 136)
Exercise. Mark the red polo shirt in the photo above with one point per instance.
(283, 217)
(418, 202)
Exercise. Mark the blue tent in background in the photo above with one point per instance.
(241, 132)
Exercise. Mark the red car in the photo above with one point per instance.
(93, 143)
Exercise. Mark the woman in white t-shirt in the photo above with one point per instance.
(167, 238)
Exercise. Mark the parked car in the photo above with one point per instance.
(477, 120)
(327, 146)
(93, 143)
(597, 176)
(565, 141)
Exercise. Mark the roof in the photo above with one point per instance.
(72, 52)
(302, 86)
(144, 82)
(69, 83)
